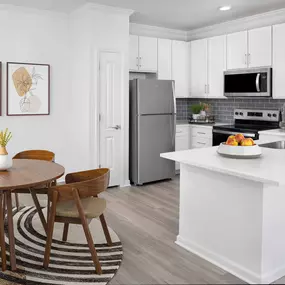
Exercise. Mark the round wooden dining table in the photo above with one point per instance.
(26, 174)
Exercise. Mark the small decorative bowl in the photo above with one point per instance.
(243, 152)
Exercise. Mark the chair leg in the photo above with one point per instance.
(87, 233)
(50, 230)
(106, 231)
(65, 232)
(2, 236)
(17, 201)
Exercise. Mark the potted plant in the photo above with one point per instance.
(196, 109)
(206, 108)
(5, 161)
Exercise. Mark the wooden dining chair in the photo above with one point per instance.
(2, 233)
(76, 202)
(32, 154)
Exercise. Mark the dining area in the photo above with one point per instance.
(63, 242)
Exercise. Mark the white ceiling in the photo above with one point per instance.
(175, 14)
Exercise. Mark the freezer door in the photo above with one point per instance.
(156, 135)
(155, 97)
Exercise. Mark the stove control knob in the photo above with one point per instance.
(236, 113)
(241, 113)
(274, 115)
(269, 115)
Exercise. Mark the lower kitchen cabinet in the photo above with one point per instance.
(201, 137)
(192, 136)
(182, 140)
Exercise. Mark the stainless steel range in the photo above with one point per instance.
(249, 123)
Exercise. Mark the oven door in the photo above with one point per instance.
(220, 136)
(248, 83)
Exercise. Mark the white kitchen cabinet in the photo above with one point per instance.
(201, 137)
(143, 54)
(134, 53)
(217, 59)
(182, 140)
(198, 68)
(278, 61)
(237, 54)
(260, 47)
(148, 54)
(180, 68)
(164, 59)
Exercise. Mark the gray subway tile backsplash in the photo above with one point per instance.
(223, 109)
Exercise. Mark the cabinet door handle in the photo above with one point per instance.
(205, 88)
(137, 62)
(140, 61)
(245, 59)
(249, 59)
(208, 91)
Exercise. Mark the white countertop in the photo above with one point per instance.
(269, 168)
(276, 132)
(186, 123)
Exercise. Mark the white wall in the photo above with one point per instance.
(96, 29)
(41, 37)
(70, 44)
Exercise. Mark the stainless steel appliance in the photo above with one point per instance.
(248, 123)
(152, 130)
(255, 82)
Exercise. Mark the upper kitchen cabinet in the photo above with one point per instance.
(164, 59)
(278, 61)
(217, 59)
(249, 49)
(237, 54)
(260, 47)
(198, 69)
(134, 53)
(143, 54)
(180, 68)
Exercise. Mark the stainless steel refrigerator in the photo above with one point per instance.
(152, 130)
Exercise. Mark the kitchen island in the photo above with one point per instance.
(232, 212)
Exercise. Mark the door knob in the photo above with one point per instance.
(117, 127)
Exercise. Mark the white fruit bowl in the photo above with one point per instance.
(239, 151)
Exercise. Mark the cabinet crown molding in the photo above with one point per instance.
(157, 32)
(242, 24)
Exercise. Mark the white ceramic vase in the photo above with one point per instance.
(203, 113)
(5, 159)
(196, 116)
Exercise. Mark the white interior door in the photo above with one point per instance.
(110, 96)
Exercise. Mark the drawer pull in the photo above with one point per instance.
(201, 143)
(201, 133)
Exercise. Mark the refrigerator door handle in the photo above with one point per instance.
(174, 96)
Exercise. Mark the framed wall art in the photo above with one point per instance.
(28, 89)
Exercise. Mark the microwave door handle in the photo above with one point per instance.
(257, 82)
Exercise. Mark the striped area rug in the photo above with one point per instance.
(71, 262)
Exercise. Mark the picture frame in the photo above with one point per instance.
(28, 89)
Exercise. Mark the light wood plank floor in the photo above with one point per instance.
(146, 220)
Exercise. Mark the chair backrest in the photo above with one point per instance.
(87, 183)
(36, 154)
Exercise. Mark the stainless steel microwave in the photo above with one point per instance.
(254, 82)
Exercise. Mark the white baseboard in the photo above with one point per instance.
(222, 262)
(127, 184)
